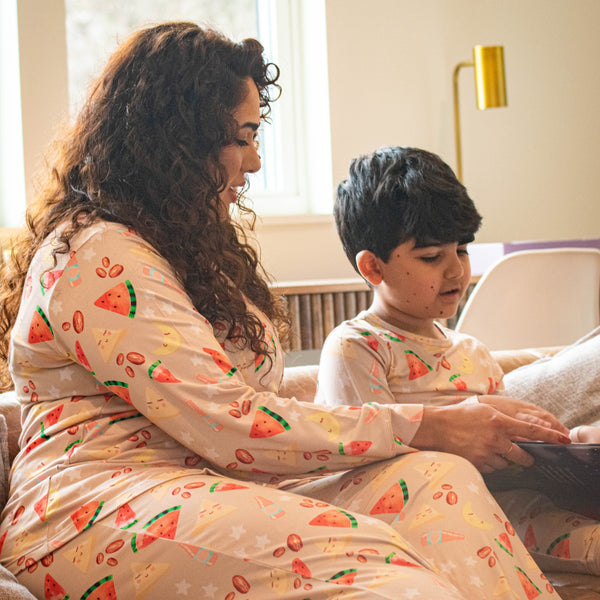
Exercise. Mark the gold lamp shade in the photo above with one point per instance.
(490, 84)
(490, 87)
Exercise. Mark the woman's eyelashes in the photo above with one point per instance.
(248, 140)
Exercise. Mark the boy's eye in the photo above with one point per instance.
(430, 259)
(463, 250)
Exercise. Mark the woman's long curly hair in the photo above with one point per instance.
(144, 152)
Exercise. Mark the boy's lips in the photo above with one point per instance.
(451, 294)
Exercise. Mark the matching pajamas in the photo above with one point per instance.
(158, 461)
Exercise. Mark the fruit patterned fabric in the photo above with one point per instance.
(144, 424)
(367, 360)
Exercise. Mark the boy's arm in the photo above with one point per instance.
(353, 368)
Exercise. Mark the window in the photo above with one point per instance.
(12, 178)
(296, 174)
(93, 31)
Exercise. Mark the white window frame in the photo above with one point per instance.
(301, 137)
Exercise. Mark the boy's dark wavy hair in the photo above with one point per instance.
(397, 194)
(144, 152)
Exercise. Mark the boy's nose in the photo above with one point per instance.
(455, 268)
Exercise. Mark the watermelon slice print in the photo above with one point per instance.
(158, 372)
(226, 486)
(48, 279)
(82, 358)
(345, 577)
(101, 590)
(353, 448)
(394, 559)
(53, 590)
(267, 423)
(393, 500)
(37, 441)
(39, 329)
(221, 361)
(395, 337)
(119, 299)
(560, 547)
(372, 341)
(417, 366)
(125, 517)
(504, 542)
(40, 507)
(163, 525)
(530, 540)
(83, 517)
(335, 517)
(531, 590)
(300, 568)
(119, 388)
(53, 416)
(259, 361)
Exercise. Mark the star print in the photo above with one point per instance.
(262, 541)
(209, 590)
(182, 587)
(473, 487)
(411, 593)
(211, 454)
(470, 561)
(237, 532)
(87, 254)
(475, 580)
(448, 566)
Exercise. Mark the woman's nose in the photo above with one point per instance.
(253, 162)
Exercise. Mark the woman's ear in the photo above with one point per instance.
(368, 265)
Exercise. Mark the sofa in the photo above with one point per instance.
(300, 382)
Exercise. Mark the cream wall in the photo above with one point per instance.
(532, 168)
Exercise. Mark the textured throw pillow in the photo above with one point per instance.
(566, 384)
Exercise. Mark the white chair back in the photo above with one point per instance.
(535, 298)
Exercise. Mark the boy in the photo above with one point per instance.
(405, 221)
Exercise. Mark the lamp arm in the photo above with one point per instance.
(457, 68)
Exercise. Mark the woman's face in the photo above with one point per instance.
(241, 157)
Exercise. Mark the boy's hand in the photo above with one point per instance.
(524, 411)
(481, 434)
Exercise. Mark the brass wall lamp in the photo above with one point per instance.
(490, 88)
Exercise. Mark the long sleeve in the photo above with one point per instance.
(121, 326)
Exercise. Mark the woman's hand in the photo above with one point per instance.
(524, 411)
(481, 433)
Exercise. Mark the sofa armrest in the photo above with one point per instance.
(512, 359)
(11, 409)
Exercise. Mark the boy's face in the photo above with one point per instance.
(422, 284)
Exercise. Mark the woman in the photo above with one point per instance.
(156, 455)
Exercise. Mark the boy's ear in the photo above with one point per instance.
(368, 265)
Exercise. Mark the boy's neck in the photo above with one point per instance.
(424, 327)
